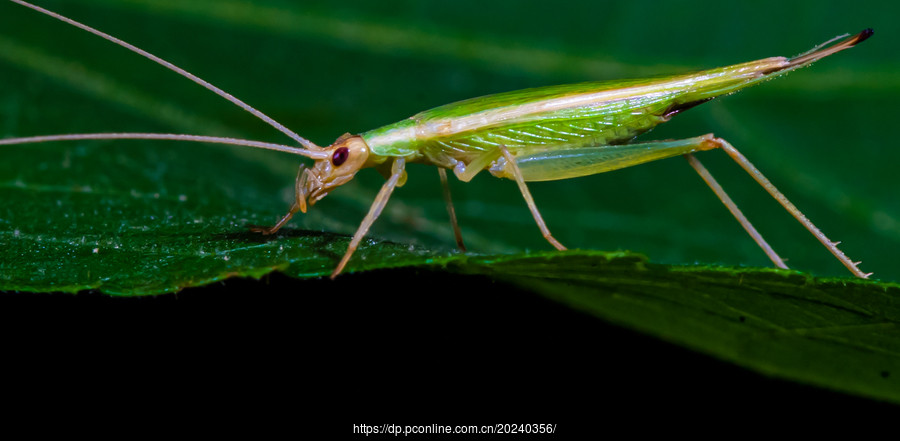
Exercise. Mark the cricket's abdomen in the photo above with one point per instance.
(443, 142)
(590, 127)
(559, 117)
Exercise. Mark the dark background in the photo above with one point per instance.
(242, 352)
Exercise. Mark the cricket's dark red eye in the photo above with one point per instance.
(340, 156)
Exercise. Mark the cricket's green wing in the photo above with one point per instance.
(576, 116)
(560, 117)
(533, 120)
(465, 129)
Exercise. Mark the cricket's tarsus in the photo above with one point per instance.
(550, 133)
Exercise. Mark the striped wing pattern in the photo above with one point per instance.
(605, 123)
(561, 117)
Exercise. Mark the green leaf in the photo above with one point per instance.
(137, 218)
(833, 332)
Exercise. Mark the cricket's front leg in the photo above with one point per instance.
(397, 171)
(298, 205)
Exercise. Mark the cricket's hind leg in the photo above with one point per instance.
(832, 246)
(735, 211)
(755, 173)
(585, 161)
(298, 205)
(517, 174)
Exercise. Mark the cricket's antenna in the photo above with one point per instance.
(303, 141)
(824, 50)
(314, 154)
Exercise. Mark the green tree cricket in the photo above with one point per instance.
(543, 134)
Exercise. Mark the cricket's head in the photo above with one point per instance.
(335, 166)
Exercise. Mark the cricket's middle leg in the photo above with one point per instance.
(528, 199)
(450, 211)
